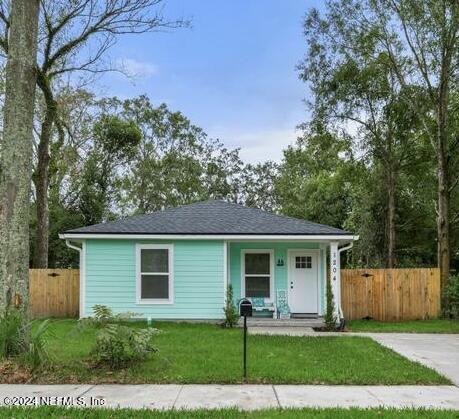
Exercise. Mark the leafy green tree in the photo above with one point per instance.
(416, 41)
(314, 179)
(359, 94)
(176, 162)
(115, 143)
(255, 186)
(75, 37)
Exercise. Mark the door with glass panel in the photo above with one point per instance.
(303, 282)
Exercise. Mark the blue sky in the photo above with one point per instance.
(233, 73)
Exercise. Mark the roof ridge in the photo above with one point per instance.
(213, 216)
(276, 214)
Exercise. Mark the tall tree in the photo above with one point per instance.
(419, 41)
(172, 146)
(115, 143)
(75, 38)
(356, 90)
(16, 152)
(256, 186)
(315, 177)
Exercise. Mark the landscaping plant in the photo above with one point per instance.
(231, 313)
(103, 315)
(330, 318)
(19, 338)
(451, 308)
(13, 333)
(37, 353)
(117, 345)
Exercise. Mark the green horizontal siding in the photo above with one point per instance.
(280, 272)
(198, 279)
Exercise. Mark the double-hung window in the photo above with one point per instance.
(257, 273)
(154, 273)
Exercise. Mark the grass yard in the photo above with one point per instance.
(415, 326)
(63, 413)
(204, 353)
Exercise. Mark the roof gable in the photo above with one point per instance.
(211, 218)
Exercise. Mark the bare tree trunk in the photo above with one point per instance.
(42, 174)
(42, 184)
(16, 154)
(443, 229)
(391, 218)
(443, 221)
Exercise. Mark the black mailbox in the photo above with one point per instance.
(245, 308)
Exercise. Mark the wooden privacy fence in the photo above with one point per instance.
(54, 292)
(390, 294)
(383, 294)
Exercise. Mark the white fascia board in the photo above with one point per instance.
(315, 238)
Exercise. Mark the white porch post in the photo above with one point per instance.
(335, 277)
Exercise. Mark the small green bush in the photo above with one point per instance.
(102, 316)
(37, 353)
(102, 313)
(118, 345)
(19, 338)
(13, 333)
(230, 310)
(451, 308)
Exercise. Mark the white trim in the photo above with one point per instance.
(83, 280)
(225, 270)
(82, 262)
(271, 269)
(340, 250)
(138, 273)
(335, 277)
(315, 252)
(249, 237)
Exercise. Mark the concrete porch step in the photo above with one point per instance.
(264, 322)
(282, 331)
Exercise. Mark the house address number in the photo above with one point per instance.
(334, 267)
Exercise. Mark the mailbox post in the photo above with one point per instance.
(245, 310)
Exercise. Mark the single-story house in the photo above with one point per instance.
(177, 263)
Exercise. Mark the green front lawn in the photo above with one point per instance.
(204, 353)
(415, 326)
(63, 413)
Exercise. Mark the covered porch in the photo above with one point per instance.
(285, 280)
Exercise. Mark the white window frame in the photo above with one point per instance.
(271, 269)
(140, 300)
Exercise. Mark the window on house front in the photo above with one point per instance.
(303, 262)
(154, 273)
(257, 274)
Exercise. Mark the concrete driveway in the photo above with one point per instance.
(440, 352)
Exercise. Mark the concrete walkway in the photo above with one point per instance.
(247, 397)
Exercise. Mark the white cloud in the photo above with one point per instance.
(260, 146)
(137, 69)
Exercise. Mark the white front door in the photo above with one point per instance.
(303, 282)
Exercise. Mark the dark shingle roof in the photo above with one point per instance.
(211, 217)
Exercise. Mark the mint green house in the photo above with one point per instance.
(177, 263)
